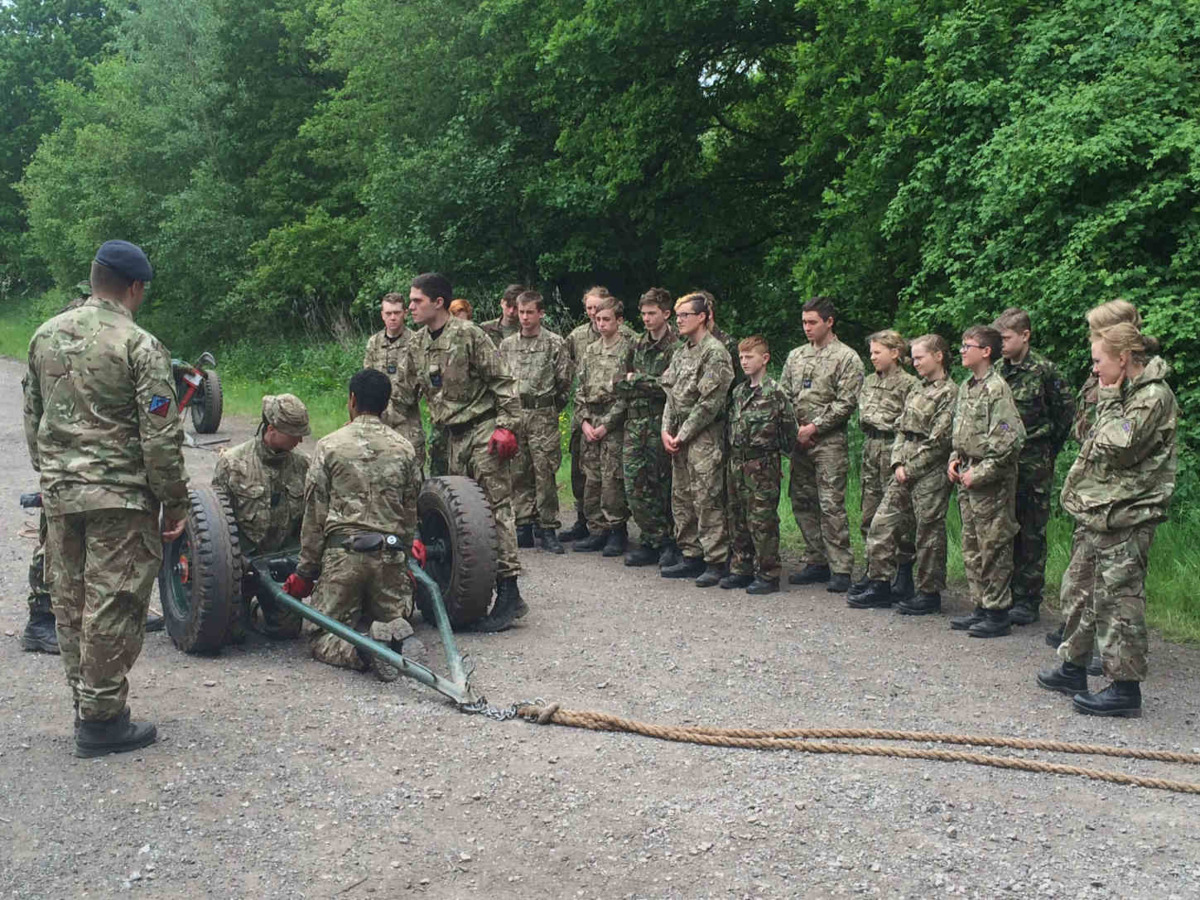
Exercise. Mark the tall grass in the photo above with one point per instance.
(318, 366)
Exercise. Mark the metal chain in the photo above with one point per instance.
(481, 707)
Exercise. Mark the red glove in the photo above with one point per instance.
(503, 443)
(298, 587)
(418, 552)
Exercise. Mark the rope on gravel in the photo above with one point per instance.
(801, 739)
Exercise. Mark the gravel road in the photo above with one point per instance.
(276, 776)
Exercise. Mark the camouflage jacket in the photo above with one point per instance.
(363, 477)
(580, 338)
(1124, 474)
(497, 331)
(541, 366)
(881, 401)
(823, 384)
(646, 359)
(266, 489)
(1085, 401)
(101, 416)
(463, 376)
(988, 433)
(603, 366)
(1043, 400)
(731, 344)
(395, 360)
(922, 442)
(697, 387)
(761, 418)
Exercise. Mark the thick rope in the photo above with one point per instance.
(790, 739)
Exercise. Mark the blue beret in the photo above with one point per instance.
(125, 259)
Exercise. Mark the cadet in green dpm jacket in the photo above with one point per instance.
(1118, 490)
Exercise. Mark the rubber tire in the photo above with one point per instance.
(208, 404)
(200, 623)
(454, 507)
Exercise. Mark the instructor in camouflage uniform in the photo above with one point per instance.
(541, 364)
(1118, 490)
(693, 433)
(647, 464)
(360, 518)
(823, 380)
(102, 425)
(1047, 410)
(390, 352)
(263, 478)
(472, 397)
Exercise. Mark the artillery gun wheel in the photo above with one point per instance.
(208, 403)
(201, 573)
(459, 532)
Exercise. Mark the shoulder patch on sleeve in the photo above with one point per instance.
(159, 406)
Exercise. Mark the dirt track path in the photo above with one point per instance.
(276, 776)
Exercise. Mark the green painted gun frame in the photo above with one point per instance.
(457, 687)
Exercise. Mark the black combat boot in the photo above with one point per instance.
(1068, 679)
(734, 580)
(1095, 665)
(154, 622)
(839, 583)
(902, 585)
(593, 542)
(687, 567)
(963, 623)
(525, 536)
(763, 585)
(645, 555)
(670, 555)
(1055, 637)
(1121, 698)
(995, 623)
(878, 595)
(576, 532)
(921, 605)
(383, 670)
(39, 634)
(509, 607)
(858, 587)
(550, 542)
(115, 735)
(1024, 612)
(813, 573)
(710, 577)
(618, 540)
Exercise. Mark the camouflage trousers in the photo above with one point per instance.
(101, 566)
(604, 483)
(467, 454)
(875, 479)
(648, 479)
(575, 448)
(370, 592)
(39, 594)
(411, 428)
(818, 494)
(988, 525)
(534, 489)
(924, 500)
(1104, 600)
(698, 496)
(753, 485)
(1035, 480)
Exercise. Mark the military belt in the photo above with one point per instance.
(532, 401)
(872, 432)
(460, 428)
(370, 541)
(913, 435)
(645, 407)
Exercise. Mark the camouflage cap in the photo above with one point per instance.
(287, 413)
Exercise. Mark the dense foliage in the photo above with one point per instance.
(927, 163)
